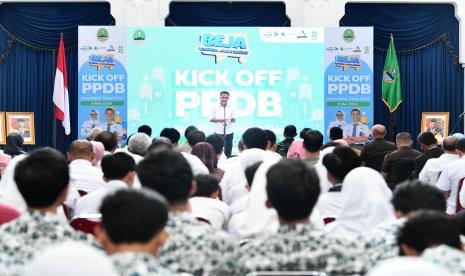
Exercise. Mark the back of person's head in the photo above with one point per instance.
(217, 142)
(303, 132)
(425, 229)
(460, 145)
(313, 141)
(139, 144)
(255, 138)
(42, 177)
(449, 143)
(195, 136)
(80, 149)
(132, 216)
(172, 134)
(379, 131)
(117, 166)
(94, 133)
(403, 137)
(108, 139)
(335, 133)
(290, 131)
(168, 173)
(340, 162)
(270, 137)
(240, 145)
(250, 172)
(188, 130)
(427, 138)
(160, 143)
(414, 195)
(13, 145)
(204, 151)
(99, 151)
(145, 129)
(207, 185)
(292, 189)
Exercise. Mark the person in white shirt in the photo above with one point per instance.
(450, 177)
(84, 176)
(118, 173)
(223, 116)
(110, 125)
(205, 203)
(356, 132)
(240, 204)
(89, 125)
(433, 167)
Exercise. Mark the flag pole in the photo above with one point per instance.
(54, 121)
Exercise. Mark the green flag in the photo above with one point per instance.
(391, 89)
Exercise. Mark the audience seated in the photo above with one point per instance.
(399, 164)
(172, 134)
(84, 176)
(133, 230)
(205, 202)
(292, 189)
(217, 142)
(193, 247)
(290, 131)
(313, 142)
(118, 173)
(98, 149)
(296, 149)
(373, 153)
(42, 179)
(205, 152)
(335, 133)
(145, 129)
(138, 145)
(431, 149)
(407, 266)
(450, 177)
(109, 141)
(408, 198)
(185, 147)
(13, 145)
(433, 167)
(194, 137)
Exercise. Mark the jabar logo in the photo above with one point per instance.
(347, 62)
(102, 35)
(390, 75)
(101, 61)
(222, 45)
(348, 35)
(139, 36)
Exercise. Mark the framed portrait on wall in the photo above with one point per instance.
(21, 123)
(436, 123)
(2, 128)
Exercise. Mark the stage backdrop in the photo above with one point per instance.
(276, 76)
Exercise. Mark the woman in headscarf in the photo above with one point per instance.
(366, 203)
(13, 146)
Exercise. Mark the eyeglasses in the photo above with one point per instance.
(91, 114)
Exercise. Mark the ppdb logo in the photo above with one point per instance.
(222, 45)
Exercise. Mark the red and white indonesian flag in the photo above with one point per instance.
(60, 91)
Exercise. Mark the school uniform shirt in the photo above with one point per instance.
(361, 130)
(138, 263)
(449, 181)
(447, 257)
(298, 247)
(239, 205)
(23, 238)
(329, 204)
(381, 242)
(193, 247)
(215, 210)
(90, 203)
(433, 167)
(84, 176)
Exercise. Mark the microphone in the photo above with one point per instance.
(461, 115)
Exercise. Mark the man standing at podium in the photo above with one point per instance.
(223, 116)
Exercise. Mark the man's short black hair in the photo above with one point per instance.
(195, 136)
(207, 184)
(168, 173)
(292, 188)
(109, 109)
(108, 139)
(117, 166)
(160, 143)
(189, 129)
(403, 137)
(42, 177)
(255, 138)
(414, 195)
(250, 172)
(216, 141)
(303, 132)
(340, 162)
(224, 92)
(313, 141)
(460, 145)
(335, 133)
(270, 136)
(290, 131)
(145, 129)
(133, 216)
(172, 134)
(428, 228)
(426, 138)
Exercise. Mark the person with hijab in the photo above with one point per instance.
(13, 146)
(89, 125)
(365, 204)
(340, 121)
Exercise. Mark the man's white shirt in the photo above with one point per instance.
(84, 176)
(361, 130)
(449, 180)
(430, 172)
(215, 210)
(221, 112)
